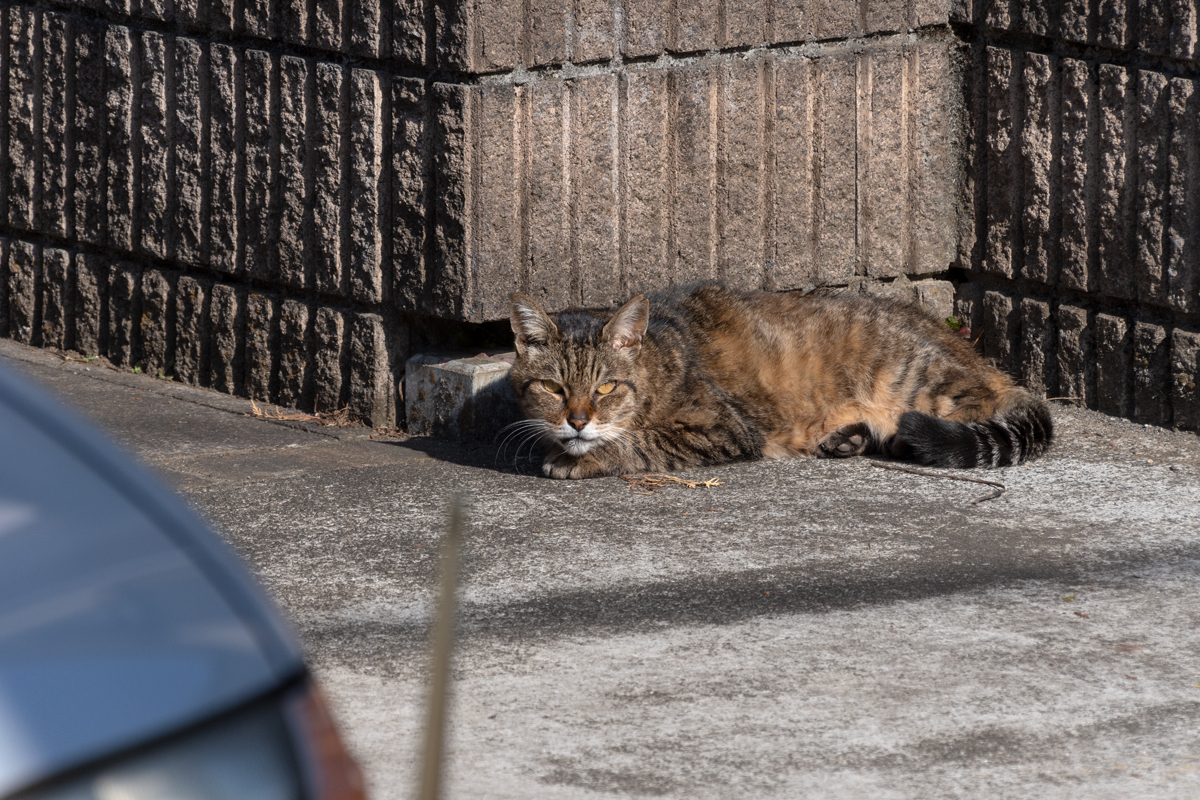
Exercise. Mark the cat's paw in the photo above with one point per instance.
(571, 468)
(846, 441)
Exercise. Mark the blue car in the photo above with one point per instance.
(138, 658)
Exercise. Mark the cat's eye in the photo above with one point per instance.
(552, 387)
(606, 388)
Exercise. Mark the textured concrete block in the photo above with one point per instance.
(1113, 211)
(745, 24)
(256, 17)
(1181, 250)
(693, 105)
(88, 323)
(1001, 326)
(1111, 29)
(191, 330)
(1078, 90)
(942, 219)
(327, 180)
(1184, 35)
(87, 213)
(410, 193)
(462, 398)
(365, 27)
(794, 181)
(1153, 26)
(408, 30)
(295, 212)
(50, 216)
(155, 337)
(123, 312)
(328, 336)
(497, 203)
(742, 209)
(692, 27)
(886, 16)
(184, 234)
(1040, 96)
(793, 22)
(453, 38)
(326, 29)
(833, 19)
(57, 301)
(151, 219)
(1113, 357)
(1002, 170)
(262, 345)
(454, 106)
(258, 174)
(1076, 356)
(884, 156)
(497, 35)
(645, 28)
(1072, 22)
(547, 25)
(118, 133)
(293, 21)
(1038, 366)
(935, 298)
(21, 261)
(372, 396)
(595, 179)
(1185, 374)
(21, 154)
(1150, 199)
(1151, 374)
(295, 348)
(226, 322)
(225, 169)
(544, 111)
(835, 168)
(593, 39)
(4, 248)
(366, 168)
(647, 194)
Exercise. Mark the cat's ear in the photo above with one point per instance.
(627, 327)
(531, 326)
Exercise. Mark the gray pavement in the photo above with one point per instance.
(807, 628)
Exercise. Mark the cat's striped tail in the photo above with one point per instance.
(1019, 433)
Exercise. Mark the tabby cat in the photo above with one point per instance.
(705, 375)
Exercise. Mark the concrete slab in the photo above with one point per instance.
(459, 397)
(806, 628)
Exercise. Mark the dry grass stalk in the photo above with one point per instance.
(650, 483)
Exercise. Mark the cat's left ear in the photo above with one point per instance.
(531, 327)
(627, 327)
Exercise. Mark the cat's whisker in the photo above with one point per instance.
(518, 429)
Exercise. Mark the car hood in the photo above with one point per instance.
(121, 616)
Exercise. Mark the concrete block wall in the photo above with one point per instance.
(1085, 272)
(265, 196)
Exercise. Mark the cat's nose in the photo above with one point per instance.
(578, 421)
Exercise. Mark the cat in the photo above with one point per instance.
(705, 375)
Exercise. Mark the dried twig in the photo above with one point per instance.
(650, 483)
(1048, 399)
(976, 501)
(334, 419)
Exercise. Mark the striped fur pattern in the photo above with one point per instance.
(707, 375)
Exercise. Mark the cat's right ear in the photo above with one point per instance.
(531, 327)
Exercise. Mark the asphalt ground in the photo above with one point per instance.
(807, 628)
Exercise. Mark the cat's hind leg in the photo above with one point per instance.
(855, 439)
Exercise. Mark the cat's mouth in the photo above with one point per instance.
(578, 442)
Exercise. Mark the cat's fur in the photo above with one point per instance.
(706, 375)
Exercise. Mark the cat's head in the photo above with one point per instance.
(578, 377)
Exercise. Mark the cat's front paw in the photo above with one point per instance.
(571, 468)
